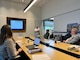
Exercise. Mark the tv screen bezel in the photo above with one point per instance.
(17, 19)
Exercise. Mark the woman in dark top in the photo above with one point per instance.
(7, 44)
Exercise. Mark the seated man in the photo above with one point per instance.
(46, 35)
(74, 39)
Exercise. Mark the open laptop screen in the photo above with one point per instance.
(37, 41)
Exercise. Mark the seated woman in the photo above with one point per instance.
(46, 35)
(7, 44)
(74, 39)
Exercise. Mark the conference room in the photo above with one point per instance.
(39, 29)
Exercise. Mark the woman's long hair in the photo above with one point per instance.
(5, 33)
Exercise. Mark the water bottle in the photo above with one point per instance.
(28, 40)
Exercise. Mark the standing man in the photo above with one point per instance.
(37, 31)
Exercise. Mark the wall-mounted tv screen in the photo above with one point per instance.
(17, 24)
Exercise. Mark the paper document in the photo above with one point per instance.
(41, 57)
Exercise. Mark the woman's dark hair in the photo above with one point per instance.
(6, 32)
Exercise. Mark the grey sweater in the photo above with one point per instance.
(7, 49)
(73, 39)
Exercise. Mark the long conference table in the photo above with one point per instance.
(52, 53)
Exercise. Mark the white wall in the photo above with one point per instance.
(12, 9)
(63, 11)
(62, 20)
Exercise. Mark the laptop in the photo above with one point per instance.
(36, 43)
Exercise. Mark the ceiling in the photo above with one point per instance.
(39, 3)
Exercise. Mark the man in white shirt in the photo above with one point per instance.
(37, 31)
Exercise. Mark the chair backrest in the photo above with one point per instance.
(58, 37)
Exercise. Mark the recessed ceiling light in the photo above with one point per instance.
(51, 18)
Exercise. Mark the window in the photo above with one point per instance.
(48, 24)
